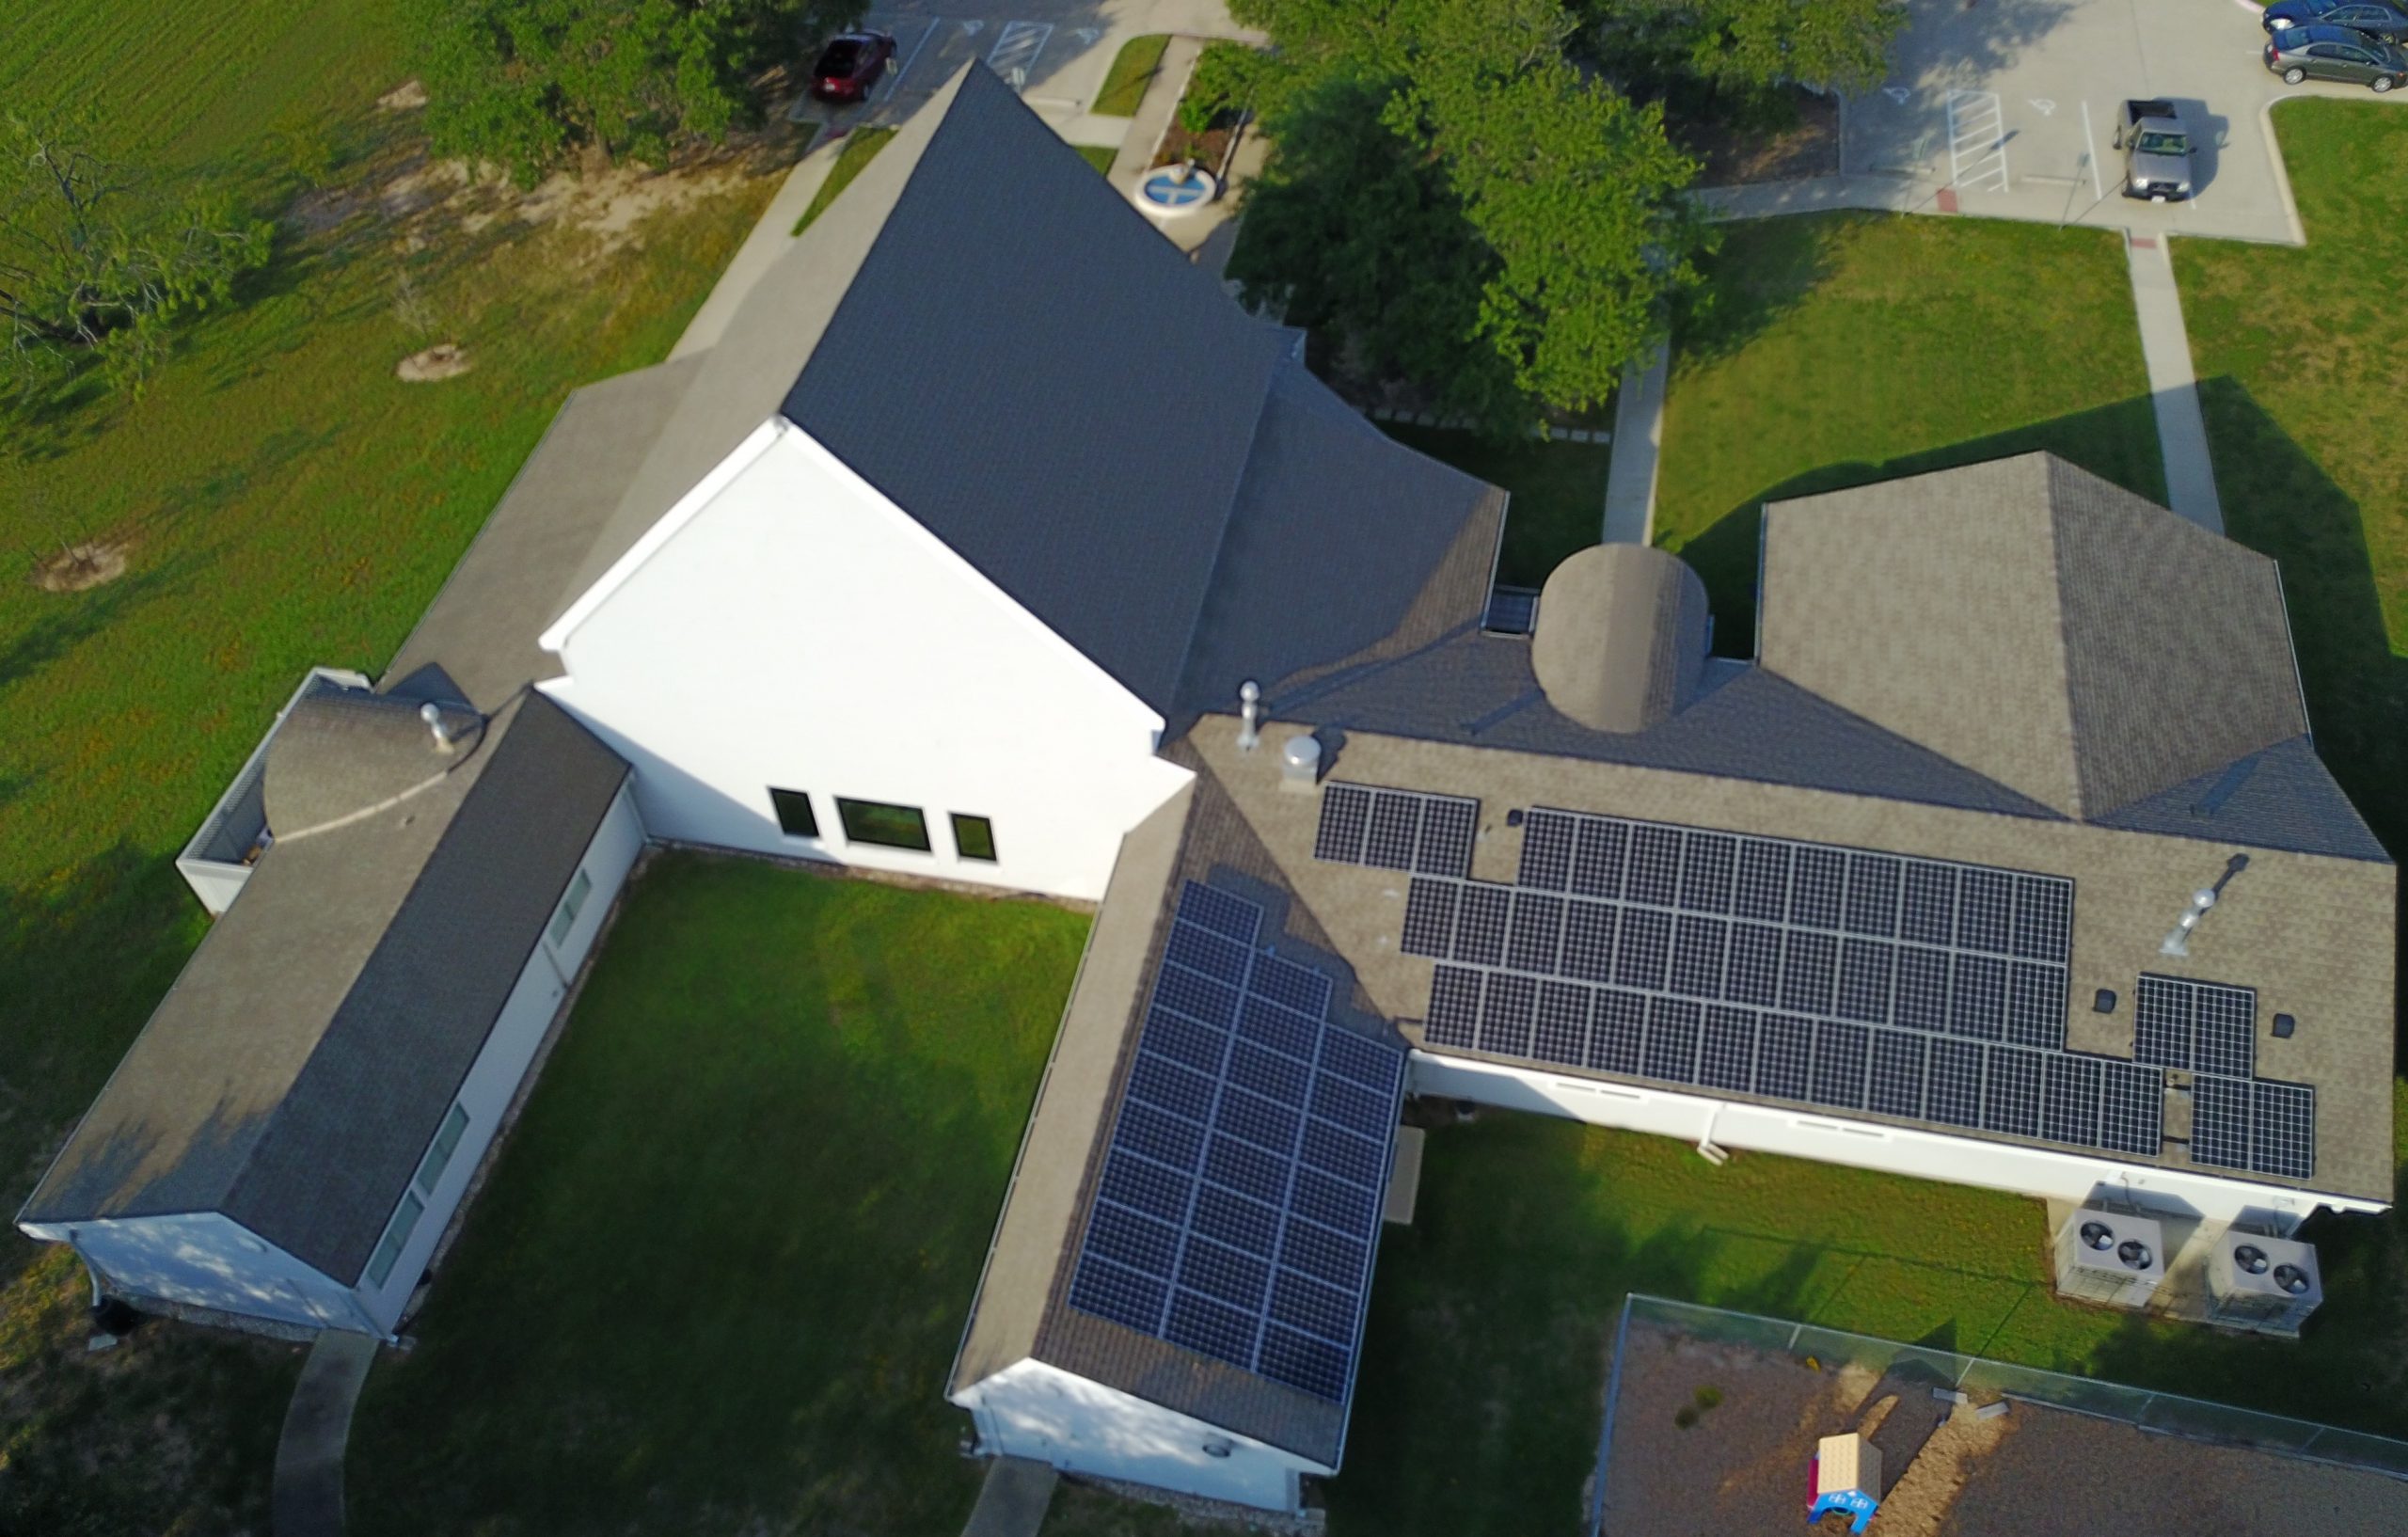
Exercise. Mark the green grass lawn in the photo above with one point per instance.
(1845, 348)
(1099, 155)
(1559, 491)
(2304, 370)
(860, 147)
(1133, 70)
(718, 1273)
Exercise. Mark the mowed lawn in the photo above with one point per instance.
(719, 1270)
(1844, 348)
(282, 500)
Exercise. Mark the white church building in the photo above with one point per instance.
(951, 559)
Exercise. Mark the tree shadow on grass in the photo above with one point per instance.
(79, 616)
(1785, 260)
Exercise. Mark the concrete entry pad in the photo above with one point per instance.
(1013, 1501)
(1405, 1185)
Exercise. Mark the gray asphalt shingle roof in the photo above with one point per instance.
(310, 1048)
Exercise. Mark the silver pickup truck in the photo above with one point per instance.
(2157, 152)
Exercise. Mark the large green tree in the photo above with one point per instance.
(98, 261)
(526, 84)
(1748, 45)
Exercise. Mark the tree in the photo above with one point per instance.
(1751, 45)
(96, 263)
(527, 83)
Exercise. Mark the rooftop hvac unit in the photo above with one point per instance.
(2112, 1258)
(2257, 1281)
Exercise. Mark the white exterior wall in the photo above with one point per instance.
(1033, 1410)
(785, 626)
(1894, 1149)
(207, 1261)
(499, 1069)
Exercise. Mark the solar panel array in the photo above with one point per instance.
(1835, 977)
(2237, 1120)
(1238, 1206)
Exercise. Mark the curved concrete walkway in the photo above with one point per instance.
(308, 1501)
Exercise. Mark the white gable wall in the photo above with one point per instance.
(1033, 1410)
(786, 625)
(206, 1260)
(1892, 1149)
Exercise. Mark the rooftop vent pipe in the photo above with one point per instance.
(1249, 715)
(2179, 942)
(432, 714)
(1300, 763)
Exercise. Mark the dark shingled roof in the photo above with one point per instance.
(1027, 367)
(308, 1051)
(2283, 798)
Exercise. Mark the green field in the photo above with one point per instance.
(1845, 348)
(717, 1279)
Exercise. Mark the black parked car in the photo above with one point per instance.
(2385, 19)
(2336, 53)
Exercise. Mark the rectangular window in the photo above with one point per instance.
(397, 1232)
(890, 827)
(564, 918)
(796, 818)
(974, 837)
(430, 1169)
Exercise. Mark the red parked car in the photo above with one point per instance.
(851, 65)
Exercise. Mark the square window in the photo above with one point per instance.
(889, 826)
(796, 818)
(974, 837)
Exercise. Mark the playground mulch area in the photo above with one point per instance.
(1711, 1437)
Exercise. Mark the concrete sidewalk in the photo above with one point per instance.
(308, 1498)
(1014, 1500)
(770, 237)
(2181, 431)
(1638, 441)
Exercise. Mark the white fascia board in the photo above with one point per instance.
(686, 509)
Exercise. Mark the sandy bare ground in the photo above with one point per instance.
(1742, 1464)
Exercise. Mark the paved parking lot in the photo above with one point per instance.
(2012, 105)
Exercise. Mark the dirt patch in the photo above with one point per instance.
(408, 96)
(80, 567)
(444, 360)
(1208, 148)
(1787, 141)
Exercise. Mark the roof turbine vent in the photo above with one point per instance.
(432, 713)
(1300, 763)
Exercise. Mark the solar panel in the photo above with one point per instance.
(1873, 893)
(1345, 819)
(1588, 942)
(1672, 1029)
(2282, 1130)
(2162, 1022)
(1480, 924)
(1900, 1063)
(1762, 890)
(2220, 1121)
(2035, 1006)
(1921, 1000)
(1977, 997)
(1562, 1033)
(1784, 1045)
(1315, 1366)
(1840, 1054)
(1754, 975)
(1113, 1290)
(1599, 854)
(1396, 831)
(1289, 986)
(2133, 1108)
(2011, 1091)
(1201, 950)
(1654, 873)
(2226, 1023)
(1454, 1007)
(1639, 957)
(1620, 1026)
(1709, 863)
(1727, 1051)
(1265, 1023)
(1160, 1082)
(1547, 849)
(1429, 919)
(1534, 935)
(1449, 824)
(1698, 944)
(1956, 1085)
(2069, 1097)
(1985, 910)
(1197, 997)
(1361, 1109)
(1269, 1073)
(1809, 967)
(1864, 980)
(1506, 1011)
(1184, 1041)
(1818, 881)
(1928, 913)
(1147, 1188)
(1230, 917)
(2043, 918)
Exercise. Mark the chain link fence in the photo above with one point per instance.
(1982, 1380)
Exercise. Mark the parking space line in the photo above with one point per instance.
(895, 81)
(1976, 141)
(2098, 185)
(1016, 50)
